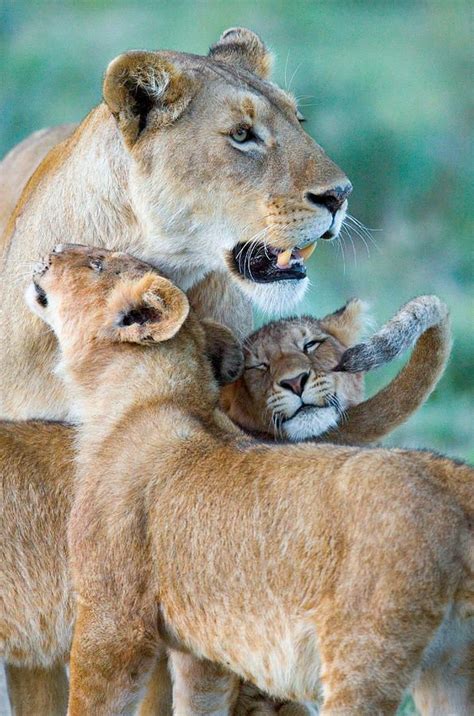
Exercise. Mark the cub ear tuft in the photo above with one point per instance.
(146, 310)
(144, 89)
(350, 322)
(243, 48)
(224, 352)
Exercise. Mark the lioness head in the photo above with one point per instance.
(221, 168)
(93, 298)
(288, 387)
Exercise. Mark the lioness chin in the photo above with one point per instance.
(198, 165)
(344, 555)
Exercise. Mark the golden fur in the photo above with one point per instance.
(328, 558)
(290, 364)
(20, 163)
(155, 170)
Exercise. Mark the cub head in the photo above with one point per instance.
(289, 387)
(221, 168)
(94, 299)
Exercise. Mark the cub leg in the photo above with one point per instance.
(110, 663)
(158, 700)
(201, 688)
(42, 692)
(367, 663)
(252, 702)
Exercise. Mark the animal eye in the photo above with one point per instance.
(258, 366)
(96, 265)
(299, 116)
(242, 134)
(310, 345)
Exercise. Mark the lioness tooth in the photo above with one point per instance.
(307, 251)
(283, 259)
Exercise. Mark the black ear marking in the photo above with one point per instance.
(141, 315)
(143, 103)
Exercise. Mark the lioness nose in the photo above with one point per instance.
(333, 198)
(295, 385)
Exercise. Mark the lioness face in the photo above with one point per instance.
(247, 189)
(288, 387)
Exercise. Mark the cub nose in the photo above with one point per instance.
(295, 385)
(332, 198)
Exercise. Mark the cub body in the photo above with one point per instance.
(327, 558)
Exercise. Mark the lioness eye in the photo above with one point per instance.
(259, 366)
(312, 344)
(242, 134)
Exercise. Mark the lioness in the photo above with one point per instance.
(302, 378)
(350, 559)
(197, 164)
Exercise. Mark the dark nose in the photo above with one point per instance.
(295, 385)
(332, 198)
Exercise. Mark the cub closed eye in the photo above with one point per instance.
(312, 345)
(258, 366)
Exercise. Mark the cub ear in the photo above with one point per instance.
(243, 48)
(146, 310)
(224, 351)
(349, 322)
(144, 89)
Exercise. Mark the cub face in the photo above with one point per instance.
(288, 387)
(220, 150)
(94, 298)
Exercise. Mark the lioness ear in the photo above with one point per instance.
(144, 89)
(224, 351)
(347, 323)
(243, 48)
(148, 310)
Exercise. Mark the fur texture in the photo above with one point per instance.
(300, 362)
(344, 555)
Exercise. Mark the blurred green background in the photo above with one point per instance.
(385, 87)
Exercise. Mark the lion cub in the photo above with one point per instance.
(295, 567)
(302, 381)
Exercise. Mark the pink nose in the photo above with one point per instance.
(295, 385)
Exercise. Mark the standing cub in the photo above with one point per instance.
(345, 556)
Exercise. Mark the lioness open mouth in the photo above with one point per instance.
(265, 264)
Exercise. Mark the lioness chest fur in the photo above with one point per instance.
(305, 566)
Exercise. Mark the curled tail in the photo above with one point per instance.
(424, 320)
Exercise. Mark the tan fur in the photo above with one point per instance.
(36, 605)
(289, 556)
(262, 401)
(154, 171)
(20, 163)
